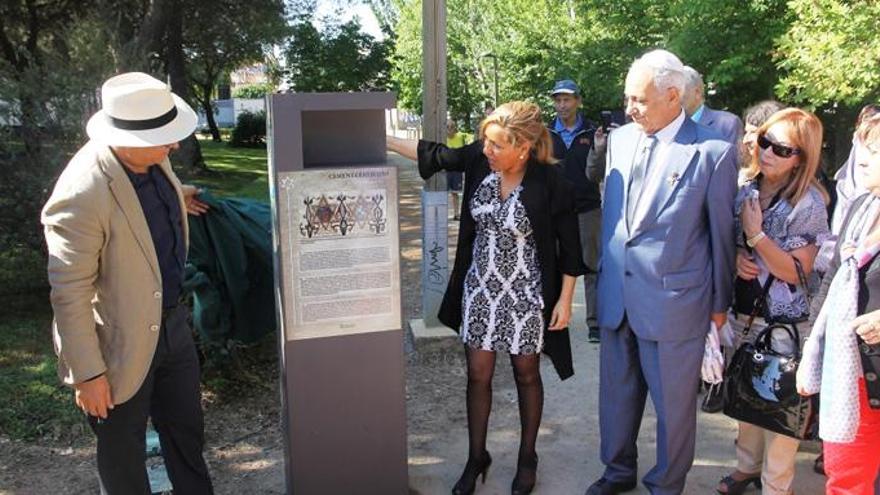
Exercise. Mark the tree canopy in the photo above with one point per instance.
(830, 52)
(338, 57)
(810, 52)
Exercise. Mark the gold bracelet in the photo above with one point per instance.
(754, 240)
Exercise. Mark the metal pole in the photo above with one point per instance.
(435, 253)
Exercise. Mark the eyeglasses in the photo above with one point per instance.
(779, 150)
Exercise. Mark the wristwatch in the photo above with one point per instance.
(754, 240)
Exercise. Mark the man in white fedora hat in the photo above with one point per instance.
(116, 231)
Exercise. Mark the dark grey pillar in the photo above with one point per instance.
(343, 395)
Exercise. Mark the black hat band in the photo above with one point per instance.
(144, 125)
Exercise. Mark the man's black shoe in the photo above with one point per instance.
(713, 401)
(604, 487)
(593, 335)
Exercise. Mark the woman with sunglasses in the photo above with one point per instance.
(781, 221)
(753, 118)
(842, 359)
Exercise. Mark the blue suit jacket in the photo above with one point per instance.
(669, 271)
(725, 123)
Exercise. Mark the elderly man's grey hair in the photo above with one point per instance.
(692, 78)
(667, 69)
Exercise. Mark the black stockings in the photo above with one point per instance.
(481, 367)
(529, 388)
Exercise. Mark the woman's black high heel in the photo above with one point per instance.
(472, 470)
(735, 487)
(526, 475)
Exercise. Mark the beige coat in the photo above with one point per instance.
(106, 284)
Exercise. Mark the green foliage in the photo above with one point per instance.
(732, 44)
(226, 35)
(250, 130)
(592, 42)
(830, 51)
(48, 86)
(339, 58)
(253, 91)
(36, 405)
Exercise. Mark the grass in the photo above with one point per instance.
(35, 406)
(239, 172)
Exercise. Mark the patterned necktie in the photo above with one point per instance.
(637, 177)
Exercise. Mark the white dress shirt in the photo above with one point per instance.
(654, 174)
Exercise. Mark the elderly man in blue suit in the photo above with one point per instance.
(694, 102)
(666, 272)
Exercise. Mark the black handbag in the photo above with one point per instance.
(759, 387)
(760, 382)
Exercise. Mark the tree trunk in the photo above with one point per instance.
(136, 48)
(189, 156)
(205, 101)
(31, 134)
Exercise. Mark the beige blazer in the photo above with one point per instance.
(106, 285)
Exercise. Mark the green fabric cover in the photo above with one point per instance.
(230, 271)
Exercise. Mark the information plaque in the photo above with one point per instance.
(342, 251)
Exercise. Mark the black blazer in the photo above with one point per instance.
(549, 203)
(869, 300)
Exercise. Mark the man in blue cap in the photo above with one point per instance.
(572, 137)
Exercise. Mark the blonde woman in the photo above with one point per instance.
(517, 260)
(781, 221)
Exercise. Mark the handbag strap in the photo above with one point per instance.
(760, 303)
(802, 277)
(764, 337)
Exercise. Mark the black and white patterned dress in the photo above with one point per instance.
(502, 301)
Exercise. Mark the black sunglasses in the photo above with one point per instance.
(779, 150)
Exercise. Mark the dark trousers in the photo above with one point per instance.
(170, 397)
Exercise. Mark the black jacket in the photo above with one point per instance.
(573, 161)
(547, 199)
(869, 300)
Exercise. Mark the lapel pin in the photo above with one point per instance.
(673, 179)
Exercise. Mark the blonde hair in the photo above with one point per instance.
(805, 130)
(868, 132)
(523, 124)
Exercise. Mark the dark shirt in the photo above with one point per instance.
(572, 151)
(162, 211)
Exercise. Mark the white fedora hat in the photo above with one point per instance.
(139, 111)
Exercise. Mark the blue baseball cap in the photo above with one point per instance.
(565, 86)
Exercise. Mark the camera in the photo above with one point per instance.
(611, 119)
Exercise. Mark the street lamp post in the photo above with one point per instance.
(495, 77)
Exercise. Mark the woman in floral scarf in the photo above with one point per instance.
(842, 358)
